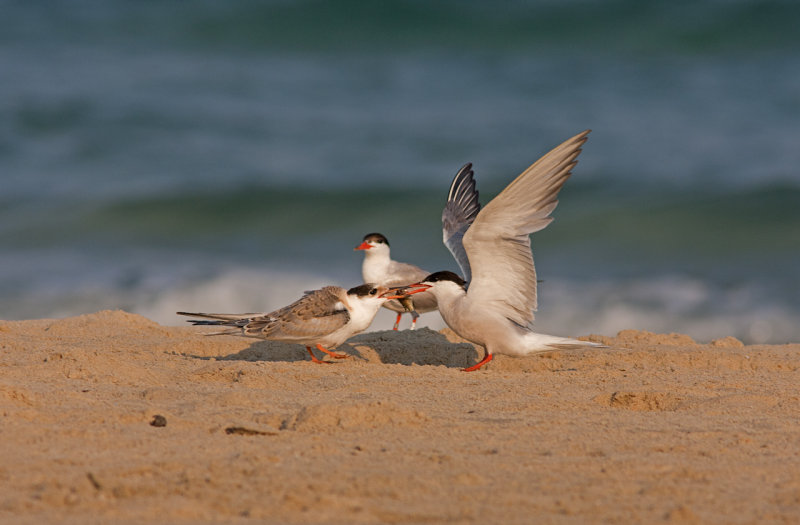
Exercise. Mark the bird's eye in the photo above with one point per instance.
(373, 291)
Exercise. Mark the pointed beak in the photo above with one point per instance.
(362, 246)
(401, 292)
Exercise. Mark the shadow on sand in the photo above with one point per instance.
(418, 347)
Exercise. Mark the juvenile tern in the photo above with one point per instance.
(493, 306)
(323, 318)
(378, 267)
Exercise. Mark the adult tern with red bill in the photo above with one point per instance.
(379, 267)
(494, 304)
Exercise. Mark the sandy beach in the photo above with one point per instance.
(110, 417)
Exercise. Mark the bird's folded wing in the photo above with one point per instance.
(316, 314)
(498, 242)
(401, 274)
(459, 212)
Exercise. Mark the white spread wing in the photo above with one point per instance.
(498, 242)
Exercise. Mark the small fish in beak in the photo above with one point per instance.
(402, 293)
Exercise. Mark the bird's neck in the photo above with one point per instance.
(450, 298)
(452, 304)
(375, 265)
(362, 313)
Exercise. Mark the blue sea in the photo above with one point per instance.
(227, 156)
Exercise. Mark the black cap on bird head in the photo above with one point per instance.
(445, 276)
(376, 238)
(363, 290)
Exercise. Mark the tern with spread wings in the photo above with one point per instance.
(323, 318)
(494, 304)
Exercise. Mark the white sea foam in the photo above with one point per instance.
(665, 304)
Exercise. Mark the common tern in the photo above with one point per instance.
(378, 267)
(323, 318)
(493, 306)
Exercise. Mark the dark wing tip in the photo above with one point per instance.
(463, 195)
(464, 175)
(200, 322)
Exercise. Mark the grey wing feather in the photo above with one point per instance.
(316, 314)
(498, 242)
(459, 212)
(401, 274)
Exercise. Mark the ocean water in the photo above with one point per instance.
(227, 156)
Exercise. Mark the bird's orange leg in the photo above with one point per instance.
(332, 354)
(414, 317)
(314, 358)
(397, 322)
(485, 360)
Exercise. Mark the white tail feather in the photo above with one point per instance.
(535, 343)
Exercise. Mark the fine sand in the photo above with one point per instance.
(112, 418)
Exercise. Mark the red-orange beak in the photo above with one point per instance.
(362, 246)
(401, 292)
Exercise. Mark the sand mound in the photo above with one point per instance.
(630, 338)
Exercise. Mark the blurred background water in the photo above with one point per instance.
(227, 156)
